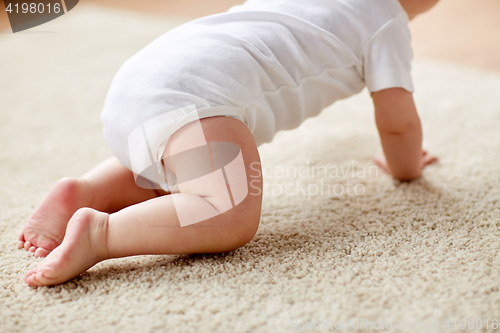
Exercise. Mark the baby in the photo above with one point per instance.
(185, 115)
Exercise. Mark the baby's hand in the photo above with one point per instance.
(426, 160)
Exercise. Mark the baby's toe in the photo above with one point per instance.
(21, 240)
(42, 277)
(32, 249)
(35, 278)
(41, 252)
(46, 273)
(28, 276)
(27, 245)
(31, 280)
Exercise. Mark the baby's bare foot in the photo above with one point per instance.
(45, 229)
(84, 245)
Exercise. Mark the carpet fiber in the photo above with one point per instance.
(338, 239)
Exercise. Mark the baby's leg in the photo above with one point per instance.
(154, 226)
(108, 187)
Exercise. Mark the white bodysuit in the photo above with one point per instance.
(269, 63)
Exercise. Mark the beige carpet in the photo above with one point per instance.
(379, 251)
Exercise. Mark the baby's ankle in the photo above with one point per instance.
(76, 192)
(102, 232)
(96, 223)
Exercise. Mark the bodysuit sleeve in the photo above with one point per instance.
(387, 57)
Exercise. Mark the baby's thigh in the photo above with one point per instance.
(217, 159)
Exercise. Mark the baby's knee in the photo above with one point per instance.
(242, 222)
(216, 174)
(225, 202)
(249, 231)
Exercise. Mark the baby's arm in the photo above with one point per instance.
(400, 134)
